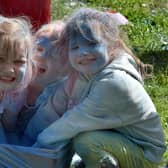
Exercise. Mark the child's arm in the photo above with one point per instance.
(110, 104)
(47, 112)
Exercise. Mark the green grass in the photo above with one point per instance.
(148, 34)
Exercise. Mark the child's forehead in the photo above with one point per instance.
(84, 30)
(13, 50)
(44, 41)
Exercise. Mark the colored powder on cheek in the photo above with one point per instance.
(22, 73)
(45, 43)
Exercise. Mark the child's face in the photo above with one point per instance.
(49, 70)
(87, 56)
(12, 70)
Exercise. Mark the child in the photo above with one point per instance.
(49, 69)
(15, 8)
(47, 66)
(52, 68)
(109, 116)
(16, 67)
(50, 74)
(46, 60)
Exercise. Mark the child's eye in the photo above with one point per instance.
(40, 49)
(74, 47)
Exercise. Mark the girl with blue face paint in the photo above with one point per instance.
(51, 71)
(106, 112)
(16, 67)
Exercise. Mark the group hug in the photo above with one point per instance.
(73, 88)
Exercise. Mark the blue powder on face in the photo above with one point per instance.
(46, 43)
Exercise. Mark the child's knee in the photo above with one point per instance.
(88, 147)
(85, 141)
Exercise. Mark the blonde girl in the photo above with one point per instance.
(17, 68)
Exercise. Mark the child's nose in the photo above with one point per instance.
(83, 52)
(8, 68)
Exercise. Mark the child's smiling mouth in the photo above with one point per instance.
(86, 61)
(41, 70)
(7, 79)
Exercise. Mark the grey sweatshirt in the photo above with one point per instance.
(113, 99)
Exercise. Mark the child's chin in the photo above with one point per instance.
(7, 87)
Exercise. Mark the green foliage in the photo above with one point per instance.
(62, 8)
(157, 88)
(148, 37)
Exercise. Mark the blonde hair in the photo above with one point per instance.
(14, 33)
(51, 30)
(101, 24)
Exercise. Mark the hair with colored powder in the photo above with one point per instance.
(51, 30)
(16, 33)
(104, 28)
(50, 33)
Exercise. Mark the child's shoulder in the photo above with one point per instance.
(110, 81)
(121, 68)
(121, 75)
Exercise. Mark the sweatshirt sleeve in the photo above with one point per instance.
(49, 110)
(111, 103)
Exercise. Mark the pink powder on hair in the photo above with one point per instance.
(121, 19)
